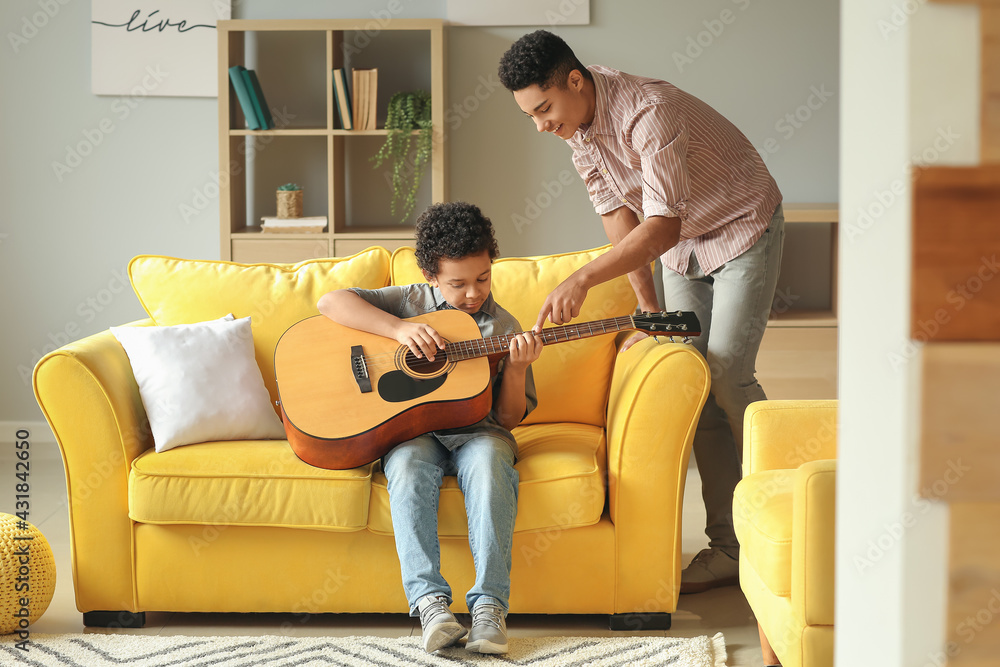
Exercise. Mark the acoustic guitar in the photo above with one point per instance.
(347, 397)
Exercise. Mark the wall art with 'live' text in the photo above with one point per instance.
(165, 48)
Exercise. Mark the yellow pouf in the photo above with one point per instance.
(28, 573)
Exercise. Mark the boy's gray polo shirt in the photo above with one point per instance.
(405, 301)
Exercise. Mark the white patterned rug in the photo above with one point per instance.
(101, 650)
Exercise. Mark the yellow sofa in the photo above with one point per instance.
(783, 512)
(245, 526)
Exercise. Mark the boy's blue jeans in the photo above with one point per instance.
(484, 467)
(733, 304)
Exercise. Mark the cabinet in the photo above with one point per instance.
(798, 354)
(294, 60)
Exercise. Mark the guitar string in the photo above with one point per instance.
(471, 349)
(464, 350)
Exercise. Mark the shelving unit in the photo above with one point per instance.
(308, 146)
(798, 354)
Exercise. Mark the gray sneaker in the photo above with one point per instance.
(440, 627)
(711, 568)
(489, 629)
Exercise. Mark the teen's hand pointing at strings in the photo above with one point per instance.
(563, 303)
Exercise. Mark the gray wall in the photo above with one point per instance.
(145, 184)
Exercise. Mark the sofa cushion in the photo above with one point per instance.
(762, 518)
(572, 379)
(247, 483)
(562, 473)
(274, 296)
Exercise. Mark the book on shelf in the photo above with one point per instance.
(358, 85)
(342, 96)
(365, 96)
(372, 98)
(259, 102)
(243, 96)
(308, 225)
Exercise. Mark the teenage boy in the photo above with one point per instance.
(670, 178)
(455, 249)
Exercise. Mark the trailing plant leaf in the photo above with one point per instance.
(290, 186)
(408, 112)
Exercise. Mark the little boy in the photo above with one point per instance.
(455, 249)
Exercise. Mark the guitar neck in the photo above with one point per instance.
(484, 347)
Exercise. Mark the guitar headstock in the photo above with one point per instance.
(675, 323)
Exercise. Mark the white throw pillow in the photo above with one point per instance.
(200, 382)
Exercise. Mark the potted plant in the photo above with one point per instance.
(289, 201)
(407, 113)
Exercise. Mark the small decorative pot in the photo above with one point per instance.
(289, 203)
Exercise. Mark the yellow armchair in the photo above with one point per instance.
(784, 515)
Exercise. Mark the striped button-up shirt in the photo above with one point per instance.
(661, 151)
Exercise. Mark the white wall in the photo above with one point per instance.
(874, 431)
(909, 75)
(67, 232)
(65, 239)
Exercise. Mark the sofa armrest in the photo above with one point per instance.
(90, 399)
(786, 434)
(813, 533)
(657, 392)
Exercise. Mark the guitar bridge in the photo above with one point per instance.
(360, 370)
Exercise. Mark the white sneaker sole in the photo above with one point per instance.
(486, 646)
(443, 636)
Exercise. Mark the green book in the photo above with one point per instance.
(343, 98)
(259, 102)
(243, 95)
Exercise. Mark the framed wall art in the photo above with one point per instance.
(166, 48)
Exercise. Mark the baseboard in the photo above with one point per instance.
(37, 431)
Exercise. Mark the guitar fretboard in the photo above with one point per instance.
(482, 347)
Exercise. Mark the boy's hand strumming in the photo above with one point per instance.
(422, 339)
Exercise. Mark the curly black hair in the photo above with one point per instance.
(453, 230)
(539, 57)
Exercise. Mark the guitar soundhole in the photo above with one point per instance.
(421, 368)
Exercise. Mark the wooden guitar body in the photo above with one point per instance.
(334, 420)
(347, 397)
